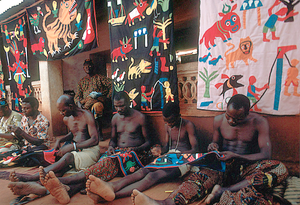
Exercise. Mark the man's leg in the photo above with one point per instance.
(259, 178)
(107, 190)
(194, 188)
(149, 180)
(59, 167)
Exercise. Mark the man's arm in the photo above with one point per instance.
(22, 134)
(264, 143)
(92, 141)
(106, 86)
(114, 136)
(146, 144)
(7, 136)
(216, 143)
(78, 98)
(190, 128)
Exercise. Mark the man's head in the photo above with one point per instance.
(237, 109)
(171, 114)
(30, 106)
(122, 102)
(4, 109)
(66, 105)
(88, 66)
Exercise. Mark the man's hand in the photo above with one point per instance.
(63, 150)
(57, 144)
(213, 147)
(227, 155)
(111, 150)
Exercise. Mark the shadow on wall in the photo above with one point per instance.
(204, 138)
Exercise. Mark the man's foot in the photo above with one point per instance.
(25, 188)
(42, 174)
(101, 188)
(96, 198)
(215, 194)
(138, 198)
(13, 177)
(56, 188)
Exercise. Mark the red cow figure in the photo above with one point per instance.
(230, 23)
(122, 50)
(136, 12)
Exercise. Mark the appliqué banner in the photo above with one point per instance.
(59, 29)
(142, 52)
(249, 47)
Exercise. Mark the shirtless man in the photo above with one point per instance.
(128, 132)
(182, 139)
(243, 139)
(81, 149)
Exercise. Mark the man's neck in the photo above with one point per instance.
(6, 116)
(34, 116)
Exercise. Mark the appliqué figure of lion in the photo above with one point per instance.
(60, 28)
(244, 52)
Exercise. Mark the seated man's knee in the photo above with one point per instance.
(68, 157)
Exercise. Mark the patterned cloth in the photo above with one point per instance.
(97, 83)
(13, 119)
(261, 175)
(38, 129)
(121, 163)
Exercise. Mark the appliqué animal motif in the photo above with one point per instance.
(230, 23)
(142, 67)
(244, 52)
(38, 46)
(60, 28)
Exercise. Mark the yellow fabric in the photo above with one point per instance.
(86, 157)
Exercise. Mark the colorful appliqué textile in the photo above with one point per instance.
(129, 162)
(171, 160)
(142, 52)
(59, 29)
(15, 47)
(251, 48)
(2, 85)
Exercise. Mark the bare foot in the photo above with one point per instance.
(138, 198)
(13, 177)
(42, 174)
(215, 194)
(25, 188)
(101, 188)
(96, 198)
(56, 188)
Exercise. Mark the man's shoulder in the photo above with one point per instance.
(138, 114)
(257, 119)
(16, 114)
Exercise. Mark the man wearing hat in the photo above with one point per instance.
(93, 91)
(8, 117)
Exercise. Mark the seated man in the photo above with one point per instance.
(243, 139)
(94, 91)
(8, 117)
(33, 132)
(82, 150)
(128, 133)
(182, 139)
